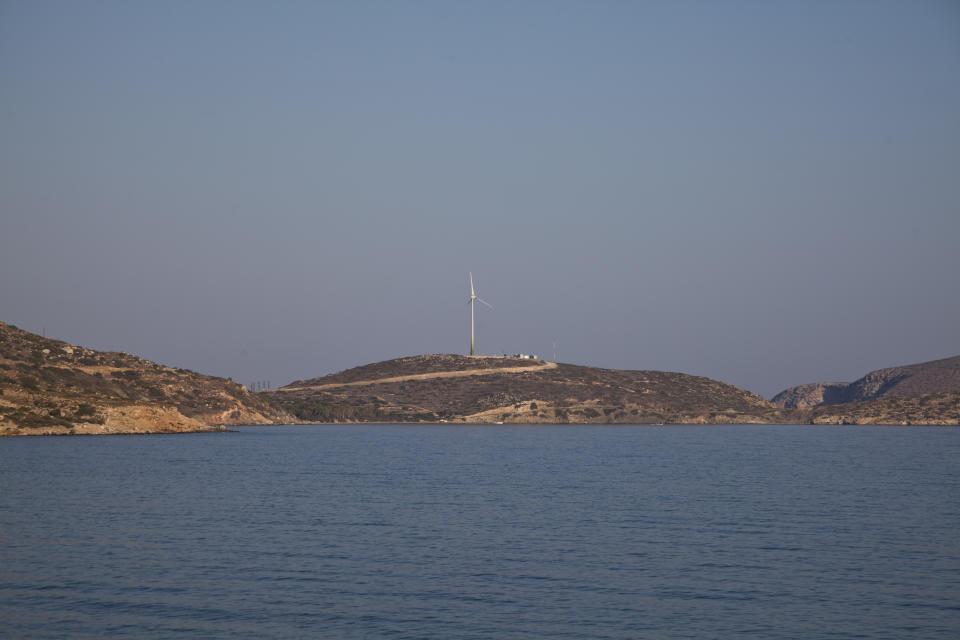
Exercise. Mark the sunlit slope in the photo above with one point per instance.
(924, 409)
(485, 389)
(52, 387)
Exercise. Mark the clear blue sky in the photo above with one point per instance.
(766, 193)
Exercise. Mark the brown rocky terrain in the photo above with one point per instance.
(417, 365)
(926, 409)
(807, 396)
(937, 376)
(484, 389)
(52, 387)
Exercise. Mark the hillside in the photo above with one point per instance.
(484, 389)
(52, 387)
(935, 377)
(927, 409)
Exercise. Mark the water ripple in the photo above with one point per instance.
(460, 532)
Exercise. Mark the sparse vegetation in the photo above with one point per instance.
(85, 410)
(69, 384)
(416, 365)
(570, 393)
(48, 384)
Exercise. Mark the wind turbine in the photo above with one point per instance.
(471, 301)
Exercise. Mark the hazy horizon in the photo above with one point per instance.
(767, 194)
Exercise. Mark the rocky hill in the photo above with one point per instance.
(52, 387)
(938, 376)
(927, 409)
(484, 389)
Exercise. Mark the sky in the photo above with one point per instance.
(766, 193)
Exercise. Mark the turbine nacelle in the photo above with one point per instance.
(474, 296)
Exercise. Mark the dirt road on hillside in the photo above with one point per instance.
(429, 376)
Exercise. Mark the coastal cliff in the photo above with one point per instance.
(50, 387)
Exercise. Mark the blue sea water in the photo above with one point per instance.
(386, 531)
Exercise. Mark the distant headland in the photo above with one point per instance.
(50, 387)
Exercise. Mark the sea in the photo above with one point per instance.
(459, 532)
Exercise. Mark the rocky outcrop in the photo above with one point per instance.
(927, 409)
(811, 395)
(937, 376)
(51, 387)
(125, 419)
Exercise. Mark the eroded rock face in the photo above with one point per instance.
(807, 396)
(937, 376)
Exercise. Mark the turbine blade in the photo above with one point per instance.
(485, 302)
(471, 285)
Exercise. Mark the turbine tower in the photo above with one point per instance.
(471, 301)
